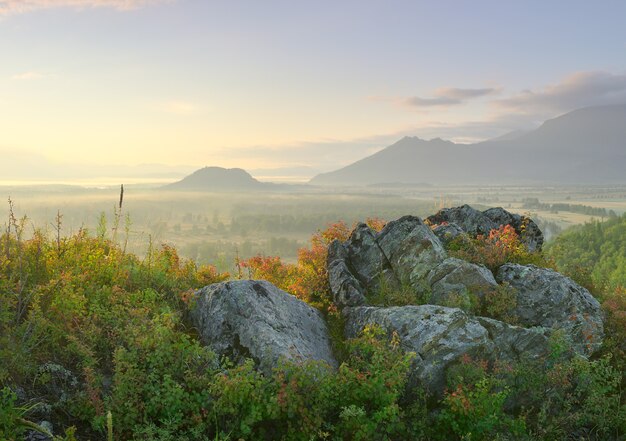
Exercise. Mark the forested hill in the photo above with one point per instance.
(596, 252)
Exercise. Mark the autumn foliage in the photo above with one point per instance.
(500, 246)
(307, 279)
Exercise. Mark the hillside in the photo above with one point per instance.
(217, 178)
(98, 343)
(594, 253)
(584, 146)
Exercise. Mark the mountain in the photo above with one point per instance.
(218, 179)
(584, 146)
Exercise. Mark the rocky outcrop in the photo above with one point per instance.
(402, 254)
(441, 336)
(549, 299)
(346, 289)
(454, 281)
(411, 248)
(474, 222)
(254, 319)
(447, 232)
(408, 253)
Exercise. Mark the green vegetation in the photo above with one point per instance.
(535, 204)
(87, 328)
(593, 254)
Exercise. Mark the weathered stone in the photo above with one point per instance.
(401, 255)
(441, 336)
(411, 248)
(514, 343)
(475, 222)
(33, 435)
(368, 261)
(447, 232)
(529, 232)
(549, 299)
(467, 218)
(344, 286)
(454, 281)
(254, 319)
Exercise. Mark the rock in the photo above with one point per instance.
(549, 299)
(454, 281)
(411, 248)
(529, 232)
(371, 266)
(441, 336)
(401, 255)
(475, 222)
(447, 232)
(515, 343)
(465, 217)
(254, 319)
(346, 289)
(33, 435)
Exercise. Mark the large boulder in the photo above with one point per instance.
(254, 319)
(447, 232)
(549, 299)
(346, 289)
(441, 336)
(401, 255)
(455, 282)
(476, 222)
(411, 248)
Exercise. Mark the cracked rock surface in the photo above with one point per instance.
(254, 319)
(441, 336)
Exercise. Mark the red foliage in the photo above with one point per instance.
(307, 279)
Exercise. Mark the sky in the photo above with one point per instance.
(286, 88)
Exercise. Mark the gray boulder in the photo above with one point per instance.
(368, 261)
(476, 222)
(447, 232)
(454, 282)
(529, 231)
(344, 286)
(411, 248)
(401, 255)
(549, 299)
(465, 217)
(441, 336)
(254, 319)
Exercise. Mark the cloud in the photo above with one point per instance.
(448, 96)
(25, 76)
(11, 7)
(416, 101)
(577, 90)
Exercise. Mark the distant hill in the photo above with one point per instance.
(584, 146)
(218, 179)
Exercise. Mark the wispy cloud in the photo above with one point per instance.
(416, 101)
(25, 76)
(580, 89)
(10, 7)
(448, 96)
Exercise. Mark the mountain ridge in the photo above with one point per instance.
(586, 145)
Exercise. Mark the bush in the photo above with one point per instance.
(502, 245)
